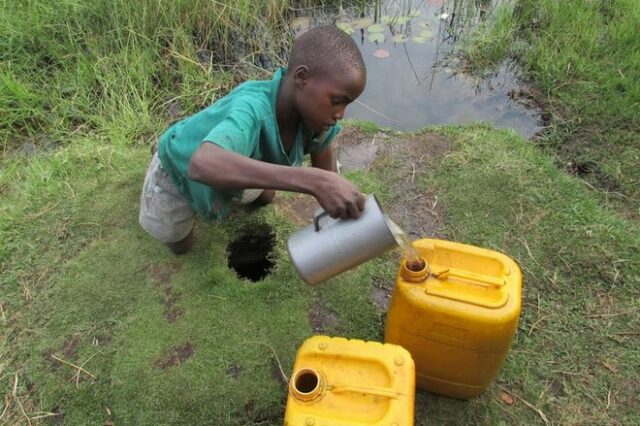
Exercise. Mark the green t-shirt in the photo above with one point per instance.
(244, 122)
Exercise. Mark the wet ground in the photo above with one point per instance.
(416, 74)
(415, 208)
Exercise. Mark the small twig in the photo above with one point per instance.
(284, 376)
(217, 297)
(73, 365)
(4, 318)
(608, 400)
(7, 404)
(16, 399)
(627, 333)
(535, 324)
(614, 314)
(413, 171)
(45, 415)
(47, 209)
(528, 404)
(77, 374)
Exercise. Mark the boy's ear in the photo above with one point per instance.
(301, 75)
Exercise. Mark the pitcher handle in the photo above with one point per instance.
(316, 219)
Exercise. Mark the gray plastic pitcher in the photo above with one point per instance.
(329, 246)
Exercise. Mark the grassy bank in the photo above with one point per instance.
(168, 340)
(582, 59)
(123, 69)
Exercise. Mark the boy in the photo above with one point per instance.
(242, 146)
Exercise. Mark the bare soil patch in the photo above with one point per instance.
(161, 275)
(404, 161)
(320, 318)
(235, 370)
(176, 356)
(415, 207)
(358, 150)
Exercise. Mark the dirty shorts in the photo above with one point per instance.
(164, 213)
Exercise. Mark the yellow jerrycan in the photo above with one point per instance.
(339, 382)
(457, 314)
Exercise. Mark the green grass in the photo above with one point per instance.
(582, 60)
(183, 340)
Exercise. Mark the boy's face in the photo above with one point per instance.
(321, 100)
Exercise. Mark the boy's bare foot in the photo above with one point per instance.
(182, 246)
(266, 197)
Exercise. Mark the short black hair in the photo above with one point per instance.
(326, 49)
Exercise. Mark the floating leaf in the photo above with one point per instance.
(397, 20)
(427, 34)
(345, 26)
(381, 53)
(376, 37)
(375, 28)
(400, 38)
(420, 39)
(362, 23)
(424, 25)
(415, 13)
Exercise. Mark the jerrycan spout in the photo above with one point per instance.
(415, 271)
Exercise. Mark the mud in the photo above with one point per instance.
(235, 370)
(358, 150)
(175, 356)
(161, 275)
(321, 319)
(381, 292)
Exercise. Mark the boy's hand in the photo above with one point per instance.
(338, 196)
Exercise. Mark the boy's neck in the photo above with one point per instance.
(287, 116)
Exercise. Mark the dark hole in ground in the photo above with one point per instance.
(250, 253)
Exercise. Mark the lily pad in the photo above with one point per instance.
(428, 34)
(397, 20)
(424, 25)
(400, 38)
(420, 39)
(345, 26)
(362, 23)
(376, 37)
(381, 53)
(375, 28)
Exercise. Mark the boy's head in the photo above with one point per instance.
(328, 72)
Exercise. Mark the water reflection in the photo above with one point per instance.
(414, 71)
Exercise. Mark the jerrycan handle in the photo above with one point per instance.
(375, 391)
(471, 276)
(316, 220)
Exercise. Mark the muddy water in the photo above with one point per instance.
(418, 78)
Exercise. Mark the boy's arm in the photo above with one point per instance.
(326, 159)
(219, 168)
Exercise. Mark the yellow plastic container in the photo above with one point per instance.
(339, 382)
(457, 316)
